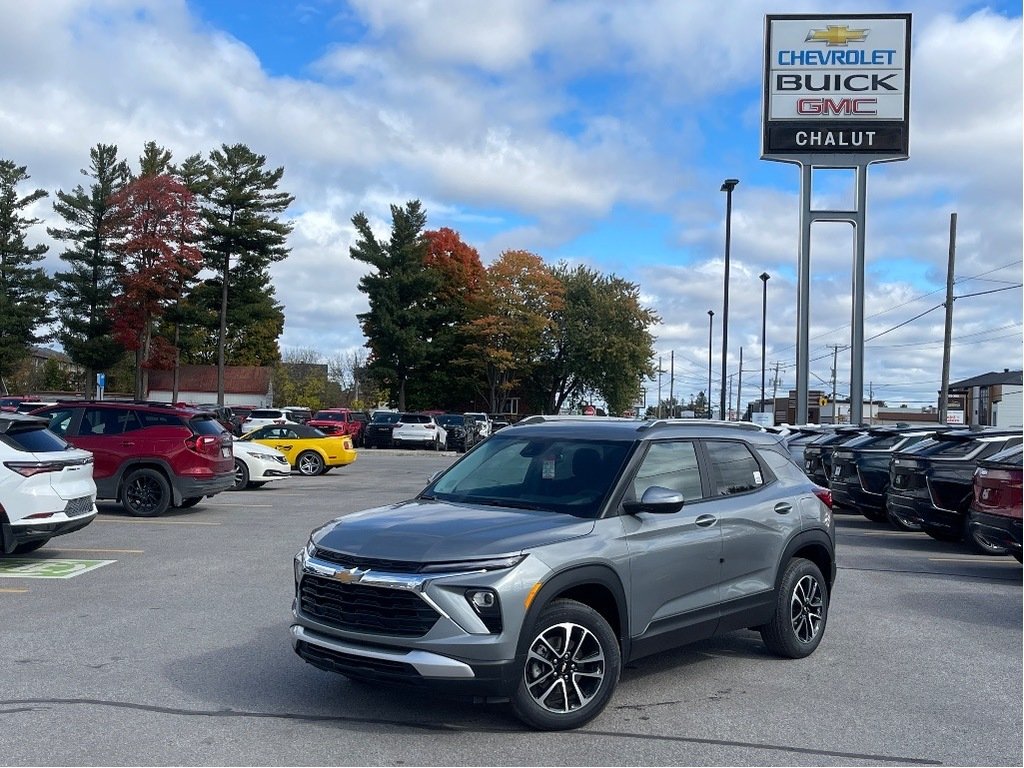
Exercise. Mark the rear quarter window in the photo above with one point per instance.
(206, 426)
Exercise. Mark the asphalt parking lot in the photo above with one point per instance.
(166, 643)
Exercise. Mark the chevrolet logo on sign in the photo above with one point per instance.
(836, 35)
(350, 575)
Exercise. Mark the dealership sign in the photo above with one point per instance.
(836, 84)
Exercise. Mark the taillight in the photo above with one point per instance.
(206, 444)
(825, 495)
(29, 468)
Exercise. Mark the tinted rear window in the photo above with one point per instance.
(259, 414)
(415, 418)
(36, 439)
(204, 425)
(386, 418)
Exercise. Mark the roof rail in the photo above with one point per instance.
(552, 417)
(748, 426)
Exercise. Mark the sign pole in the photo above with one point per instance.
(857, 334)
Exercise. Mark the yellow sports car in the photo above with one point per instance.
(308, 450)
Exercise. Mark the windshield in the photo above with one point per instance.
(386, 418)
(563, 475)
(450, 421)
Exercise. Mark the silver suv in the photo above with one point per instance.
(558, 550)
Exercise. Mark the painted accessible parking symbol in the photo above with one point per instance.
(48, 569)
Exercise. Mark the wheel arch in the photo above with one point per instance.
(597, 586)
(147, 463)
(813, 545)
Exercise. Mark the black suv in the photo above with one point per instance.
(818, 452)
(860, 468)
(558, 550)
(148, 456)
(462, 430)
(931, 483)
(377, 432)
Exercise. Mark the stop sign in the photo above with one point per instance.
(589, 410)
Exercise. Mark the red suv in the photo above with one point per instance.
(148, 456)
(341, 421)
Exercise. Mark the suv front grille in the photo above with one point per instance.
(358, 608)
(367, 563)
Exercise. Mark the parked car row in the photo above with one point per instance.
(952, 483)
(434, 431)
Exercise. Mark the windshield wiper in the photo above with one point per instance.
(512, 503)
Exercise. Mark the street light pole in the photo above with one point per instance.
(711, 325)
(764, 321)
(727, 186)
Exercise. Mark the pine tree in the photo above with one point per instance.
(86, 290)
(24, 286)
(400, 290)
(240, 208)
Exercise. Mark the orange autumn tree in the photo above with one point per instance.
(514, 331)
(155, 224)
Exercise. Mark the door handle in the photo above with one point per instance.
(783, 508)
(127, 444)
(706, 521)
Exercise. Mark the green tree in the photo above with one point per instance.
(602, 342)
(154, 160)
(85, 291)
(241, 204)
(24, 286)
(401, 293)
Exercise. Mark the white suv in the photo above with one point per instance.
(418, 429)
(263, 417)
(46, 486)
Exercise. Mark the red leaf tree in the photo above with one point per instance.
(155, 223)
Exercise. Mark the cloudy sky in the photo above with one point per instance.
(585, 131)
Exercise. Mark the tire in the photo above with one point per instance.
(310, 463)
(256, 485)
(1018, 556)
(145, 493)
(241, 476)
(190, 502)
(28, 546)
(875, 515)
(801, 611)
(584, 677)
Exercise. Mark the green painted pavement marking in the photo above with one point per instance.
(48, 569)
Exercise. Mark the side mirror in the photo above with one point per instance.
(434, 476)
(657, 500)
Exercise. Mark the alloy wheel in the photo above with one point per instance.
(806, 608)
(564, 668)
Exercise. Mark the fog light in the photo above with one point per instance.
(485, 603)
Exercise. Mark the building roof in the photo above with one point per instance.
(988, 379)
(238, 379)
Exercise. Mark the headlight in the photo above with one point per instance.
(494, 564)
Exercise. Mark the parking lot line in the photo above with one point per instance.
(230, 504)
(104, 551)
(979, 559)
(13, 591)
(132, 521)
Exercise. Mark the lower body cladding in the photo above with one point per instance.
(23, 532)
(416, 629)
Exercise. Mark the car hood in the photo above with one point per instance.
(434, 531)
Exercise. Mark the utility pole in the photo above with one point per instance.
(672, 383)
(659, 372)
(835, 355)
(775, 387)
(947, 339)
(871, 402)
(739, 388)
(729, 401)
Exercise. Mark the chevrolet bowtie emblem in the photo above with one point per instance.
(836, 35)
(350, 575)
